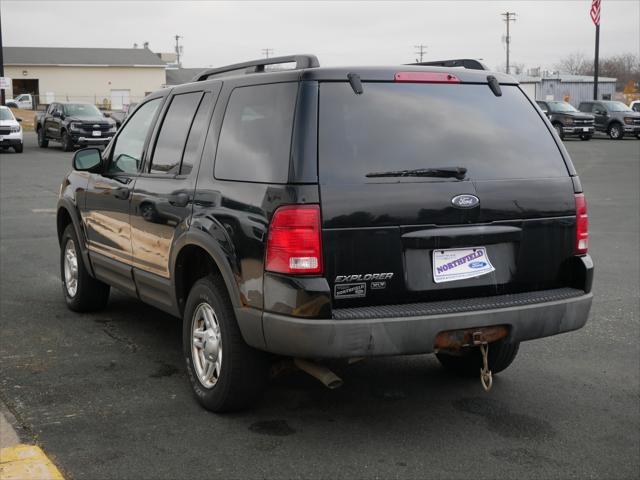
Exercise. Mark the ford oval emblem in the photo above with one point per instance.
(465, 201)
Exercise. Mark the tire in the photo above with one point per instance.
(501, 355)
(89, 294)
(558, 127)
(18, 148)
(242, 372)
(67, 142)
(42, 138)
(615, 131)
(586, 138)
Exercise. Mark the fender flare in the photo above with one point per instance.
(70, 207)
(208, 244)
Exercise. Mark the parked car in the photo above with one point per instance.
(320, 213)
(25, 101)
(10, 130)
(635, 105)
(73, 124)
(613, 118)
(568, 121)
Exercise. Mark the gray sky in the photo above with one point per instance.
(217, 33)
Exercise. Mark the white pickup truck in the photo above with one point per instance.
(24, 101)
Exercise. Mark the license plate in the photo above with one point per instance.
(585, 129)
(460, 264)
(96, 133)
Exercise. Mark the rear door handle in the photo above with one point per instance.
(179, 200)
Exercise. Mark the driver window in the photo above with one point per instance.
(126, 154)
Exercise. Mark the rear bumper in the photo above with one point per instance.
(352, 336)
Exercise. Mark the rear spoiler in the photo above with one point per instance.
(468, 63)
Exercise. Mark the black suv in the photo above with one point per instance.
(320, 213)
(613, 118)
(568, 121)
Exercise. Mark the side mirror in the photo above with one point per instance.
(87, 160)
(106, 114)
(18, 119)
(56, 114)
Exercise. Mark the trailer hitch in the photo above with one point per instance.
(486, 379)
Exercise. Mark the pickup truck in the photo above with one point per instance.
(73, 124)
(24, 101)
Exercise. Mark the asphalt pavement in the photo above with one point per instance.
(106, 395)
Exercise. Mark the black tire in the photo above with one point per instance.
(91, 294)
(18, 148)
(559, 131)
(469, 363)
(615, 131)
(586, 138)
(43, 142)
(67, 141)
(243, 372)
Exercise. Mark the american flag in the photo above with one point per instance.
(595, 12)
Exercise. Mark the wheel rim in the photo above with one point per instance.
(206, 345)
(71, 268)
(615, 132)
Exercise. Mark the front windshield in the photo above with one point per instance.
(81, 110)
(617, 107)
(5, 114)
(561, 107)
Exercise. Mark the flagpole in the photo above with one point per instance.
(595, 64)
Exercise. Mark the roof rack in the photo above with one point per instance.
(468, 63)
(256, 66)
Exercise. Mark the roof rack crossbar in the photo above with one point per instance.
(256, 66)
(468, 63)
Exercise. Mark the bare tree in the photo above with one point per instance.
(575, 64)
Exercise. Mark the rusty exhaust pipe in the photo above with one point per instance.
(326, 376)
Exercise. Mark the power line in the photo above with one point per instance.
(508, 18)
(420, 50)
(267, 52)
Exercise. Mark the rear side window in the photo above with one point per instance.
(255, 140)
(394, 126)
(167, 155)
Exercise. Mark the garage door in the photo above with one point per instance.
(119, 98)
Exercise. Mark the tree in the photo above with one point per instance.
(624, 67)
(575, 64)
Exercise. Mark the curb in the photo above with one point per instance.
(27, 462)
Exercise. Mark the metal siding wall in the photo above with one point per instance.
(576, 91)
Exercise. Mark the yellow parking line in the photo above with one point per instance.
(26, 462)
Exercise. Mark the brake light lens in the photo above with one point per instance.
(293, 243)
(582, 225)
(426, 77)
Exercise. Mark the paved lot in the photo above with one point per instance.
(105, 394)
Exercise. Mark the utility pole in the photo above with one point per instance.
(420, 51)
(2, 97)
(267, 51)
(508, 18)
(178, 49)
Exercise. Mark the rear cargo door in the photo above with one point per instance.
(398, 228)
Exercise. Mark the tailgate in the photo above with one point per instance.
(404, 237)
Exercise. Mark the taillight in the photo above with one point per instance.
(293, 243)
(426, 77)
(582, 225)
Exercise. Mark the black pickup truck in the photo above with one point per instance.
(567, 120)
(73, 124)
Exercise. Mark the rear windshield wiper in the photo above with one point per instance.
(443, 172)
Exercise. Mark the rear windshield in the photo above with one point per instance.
(394, 126)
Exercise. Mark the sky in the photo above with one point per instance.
(338, 32)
